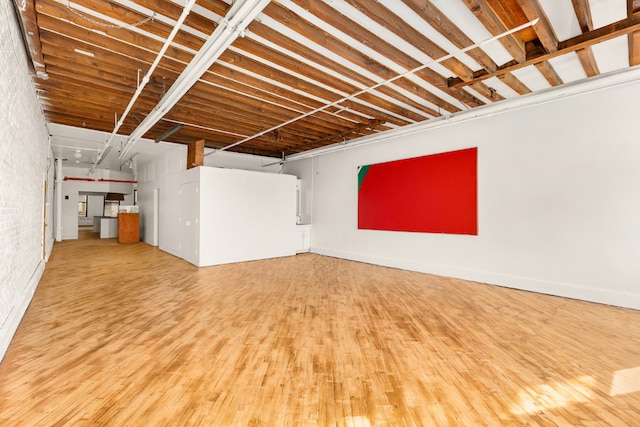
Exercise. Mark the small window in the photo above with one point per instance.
(82, 205)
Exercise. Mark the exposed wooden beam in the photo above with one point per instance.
(109, 57)
(392, 22)
(439, 21)
(486, 91)
(366, 37)
(634, 48)
(321, 76)
(608, 32)
(512, 15)
(222, 112)
(485, 13)
(31, 35)
(236, 59)
(583, 13)
(116, 55)
(195, 154)
(549, 73)
(543, 28)
(327, 81)
(274, 75)
(323, 92)
(355, 130)
(312, 33)
(633, 6)
(313, 57)
(186, 135)
(588, 61)
(112, 85)
(514, 83)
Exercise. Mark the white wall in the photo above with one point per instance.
(558, 196)
(152, 176)
(246, 215)
(242, 214)
(231, 160)
(303, 168)
(159, 175)
(24, 168)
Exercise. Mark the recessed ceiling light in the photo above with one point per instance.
(84, 52)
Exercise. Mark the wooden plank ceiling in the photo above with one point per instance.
(301, 77)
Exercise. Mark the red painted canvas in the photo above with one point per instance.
(429, 194)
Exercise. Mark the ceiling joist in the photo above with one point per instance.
(305, 73)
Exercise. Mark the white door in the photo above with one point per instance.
(156, 217)
(189, 227)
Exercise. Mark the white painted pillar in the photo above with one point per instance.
(58, 200)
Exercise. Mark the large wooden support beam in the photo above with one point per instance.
(587, 59)
(583, 13)
(195, 154)
(535, 56)
(28, 22)
(549, 73)
(543, 28)
(485, 13)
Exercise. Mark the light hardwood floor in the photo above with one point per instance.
(129, 335)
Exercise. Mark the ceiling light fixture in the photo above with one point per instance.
(241, 14)
(129, 162)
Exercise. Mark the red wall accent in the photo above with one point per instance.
(429, 194)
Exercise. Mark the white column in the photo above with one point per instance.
(58, 200)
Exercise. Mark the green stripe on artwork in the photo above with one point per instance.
(361, 174)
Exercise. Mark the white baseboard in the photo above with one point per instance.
(566, 290)
(10, 326)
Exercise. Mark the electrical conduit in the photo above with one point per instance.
(185, 12)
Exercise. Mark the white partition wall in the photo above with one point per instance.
(211, 215)
(246, 215)
(222, 216)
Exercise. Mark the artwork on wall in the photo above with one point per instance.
(429, 194)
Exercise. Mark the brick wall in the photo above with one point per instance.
(24, 150)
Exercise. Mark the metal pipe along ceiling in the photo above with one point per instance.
(185, 11)
(241, 14)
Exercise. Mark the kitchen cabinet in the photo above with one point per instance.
(304, 238)
(128, 227)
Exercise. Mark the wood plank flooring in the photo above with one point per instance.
(128, 335)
